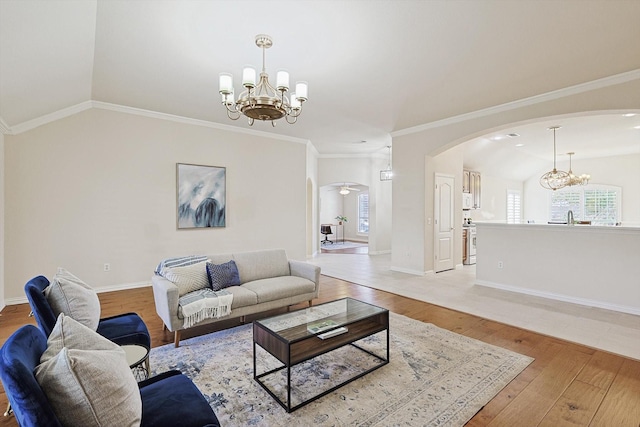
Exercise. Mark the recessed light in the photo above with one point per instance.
(513, 135)
(629, 115)
(519, 145)
(498, 137)
(636, 127)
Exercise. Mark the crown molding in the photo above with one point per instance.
(83, 106)
(4, 127)
(525, 102)
(195, 122)
(52, 117)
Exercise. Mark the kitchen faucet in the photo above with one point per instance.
(570, 217)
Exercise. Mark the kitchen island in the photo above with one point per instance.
(589, 265)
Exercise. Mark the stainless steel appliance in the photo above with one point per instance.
(469, 238)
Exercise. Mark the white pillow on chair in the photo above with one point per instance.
(69, 295)
(87, 379)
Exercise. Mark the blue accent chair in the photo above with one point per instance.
(123, 329)
(168, 399)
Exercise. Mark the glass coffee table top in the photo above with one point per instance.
(301, 324)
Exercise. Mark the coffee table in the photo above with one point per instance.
(301, 335)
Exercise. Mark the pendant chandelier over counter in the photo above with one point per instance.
(574, 179)
(555, 179)
(387, 174)
(262, 101)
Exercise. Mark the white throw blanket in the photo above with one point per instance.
(204, 304)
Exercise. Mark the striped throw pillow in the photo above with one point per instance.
(189, 278)
(182, 261)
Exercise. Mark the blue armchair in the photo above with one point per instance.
(123, 329)
(168, 399)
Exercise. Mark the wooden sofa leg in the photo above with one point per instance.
(310, 303)
(176, 340)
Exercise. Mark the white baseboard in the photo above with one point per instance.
(120, 287)
(409, 271)
(380, 252)
(560, 297)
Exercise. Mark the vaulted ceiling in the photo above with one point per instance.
(373, 67)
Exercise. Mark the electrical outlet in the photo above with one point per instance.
(500, 264)
(107, 267)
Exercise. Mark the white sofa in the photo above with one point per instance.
(268, 279)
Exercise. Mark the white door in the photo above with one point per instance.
(443, 224)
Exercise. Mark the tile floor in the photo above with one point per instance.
(603, 329)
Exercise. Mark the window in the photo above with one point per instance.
(599, 204)
(363, 213)
(513, 206)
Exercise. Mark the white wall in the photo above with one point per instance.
(622, 171)
(412, 189)
(2, 204)
(313, 196)
(100, 187)
(589, 265)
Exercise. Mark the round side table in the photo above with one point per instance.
(138, 360)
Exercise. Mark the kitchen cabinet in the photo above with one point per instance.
(471, 183)
(466, 187)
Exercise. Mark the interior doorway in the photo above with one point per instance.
(443, 223)
(344, 226)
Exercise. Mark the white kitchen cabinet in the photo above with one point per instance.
(471, 183)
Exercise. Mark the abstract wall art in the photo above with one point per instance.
(201, 196)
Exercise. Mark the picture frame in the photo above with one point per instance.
(201, 193)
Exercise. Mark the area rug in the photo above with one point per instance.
(434, 378)
(341, 245)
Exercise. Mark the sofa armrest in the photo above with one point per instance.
(307, 271)
(165, 295)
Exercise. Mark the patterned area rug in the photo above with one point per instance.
(434, 378)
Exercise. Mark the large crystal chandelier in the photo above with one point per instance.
(554, 179)
(262, 101)
(575, 179)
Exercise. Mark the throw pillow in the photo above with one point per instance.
(72, 334)
(223, 275)
(188, 278)
(69, 295)
(88, 386)
(178, 262)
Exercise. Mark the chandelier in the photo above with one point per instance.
(262, 101)
(554, 179)
(387, 174)
(577, 180)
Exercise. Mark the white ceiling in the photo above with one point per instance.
(373, 67)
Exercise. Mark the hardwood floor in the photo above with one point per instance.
(566, 385)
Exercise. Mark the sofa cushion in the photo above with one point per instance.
(279, 287)
(188, 278)
(69, 295)
(223, 275)
(88, 386)
(262, 264)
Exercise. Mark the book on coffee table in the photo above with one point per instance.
(322, 325)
